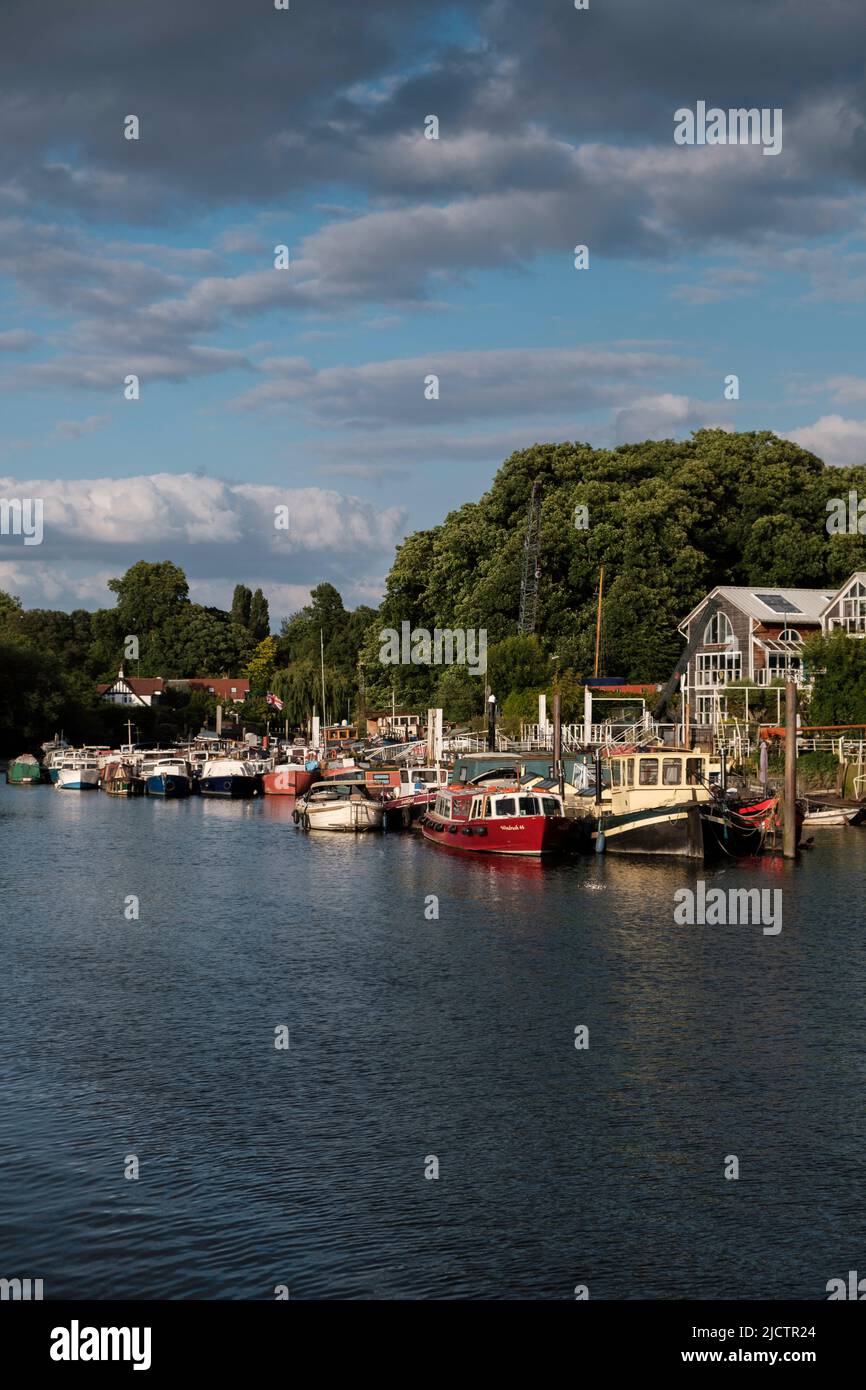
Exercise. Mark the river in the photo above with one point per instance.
(415, 1042)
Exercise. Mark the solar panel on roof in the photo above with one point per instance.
(778, 603)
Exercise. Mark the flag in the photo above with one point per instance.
(274, 700)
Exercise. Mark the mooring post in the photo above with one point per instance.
(789, 844)
(558, 770)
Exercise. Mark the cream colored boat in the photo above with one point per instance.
(346, 806)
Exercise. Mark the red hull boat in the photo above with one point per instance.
(289, 780)
(500, 820)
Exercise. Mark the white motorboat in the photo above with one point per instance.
(78, 772)
(334, 805)
(820, 817)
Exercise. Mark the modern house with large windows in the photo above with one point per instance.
(847, 608)
(753, 634)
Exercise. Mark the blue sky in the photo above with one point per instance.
(408, 257)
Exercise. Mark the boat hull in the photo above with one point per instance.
(76, 784)
(523, 836)
(676, 831)
(818, 820)
(729, 835)
(229, 787)
(352, 818)
(123, 786)
(168, 784)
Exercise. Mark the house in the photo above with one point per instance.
(224, 689)
(847, 608)
(400, 724)
(756, 634)
(133, 690)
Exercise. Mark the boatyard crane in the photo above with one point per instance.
(531, 569)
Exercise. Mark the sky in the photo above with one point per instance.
(304, 387)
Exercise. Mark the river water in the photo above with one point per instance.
(151, 1042)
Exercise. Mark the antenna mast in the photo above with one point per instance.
(531, 571)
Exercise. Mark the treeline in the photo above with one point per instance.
(666, 520)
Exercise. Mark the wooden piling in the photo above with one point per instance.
(558, 770)
(790, 803)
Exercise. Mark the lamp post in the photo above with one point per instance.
(491, 723)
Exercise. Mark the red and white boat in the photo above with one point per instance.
(498, 820)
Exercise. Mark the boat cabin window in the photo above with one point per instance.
(506, 806)
(550, 806)
(693, 772)
(616, 771)
(649, 772)
(629, 772)
(476, 810)
(528, 806)
(672, 772)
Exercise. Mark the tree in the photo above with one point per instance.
(259, 623)
(838, 663)
(259, 669)
(241, 603)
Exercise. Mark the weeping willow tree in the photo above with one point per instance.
(299, 686)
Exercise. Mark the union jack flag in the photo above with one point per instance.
(274, 700)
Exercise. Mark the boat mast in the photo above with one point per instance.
(598, 619)
(322, 650)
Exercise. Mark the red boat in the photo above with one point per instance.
(497, 820)
(291, 779)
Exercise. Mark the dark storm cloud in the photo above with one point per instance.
(239, 101)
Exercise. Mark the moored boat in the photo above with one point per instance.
(406, 792)
(820, 815)
(78, 772)
(228, 777)
(653, 803)
(498, 820)
(118, 779)
(54, 752)
(168, 777)
(24, 771)
(333, 805)
(290, 779)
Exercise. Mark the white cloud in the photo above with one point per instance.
(833, 438)
(666, 416)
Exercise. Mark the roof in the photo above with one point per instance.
(222, 686)
(858, 574)
(625, 689)
(807, 605)
(139, 685)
